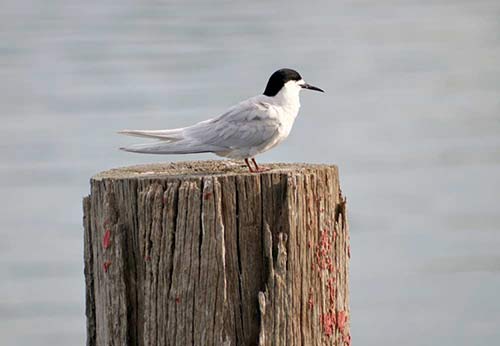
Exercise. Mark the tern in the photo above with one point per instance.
(245, 130)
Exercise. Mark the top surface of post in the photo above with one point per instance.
(200, 169)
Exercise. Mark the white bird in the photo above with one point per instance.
(249, 128)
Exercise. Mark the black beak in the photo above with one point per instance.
(311, 87)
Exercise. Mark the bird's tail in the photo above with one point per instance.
(174, 134)
(175, 141)
(168, 147)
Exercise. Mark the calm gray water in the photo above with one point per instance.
(411, 116)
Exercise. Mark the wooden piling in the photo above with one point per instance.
(205, 253)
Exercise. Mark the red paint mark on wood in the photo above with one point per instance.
(177, 300)
(106, 265)
(330, 284)
(207, 196)
(328, 323)
(341, 320)
(331, 268)
(147, 258)
(323, 250)
(325, 265)
(106, 239)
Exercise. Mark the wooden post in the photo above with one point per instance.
(205, 253)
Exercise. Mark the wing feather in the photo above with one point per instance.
(247, 124)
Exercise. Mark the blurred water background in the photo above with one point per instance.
(411, 116)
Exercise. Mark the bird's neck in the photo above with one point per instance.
(288, 97)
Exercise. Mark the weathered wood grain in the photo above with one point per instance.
(204, 253)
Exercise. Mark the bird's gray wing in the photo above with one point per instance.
(248, 124)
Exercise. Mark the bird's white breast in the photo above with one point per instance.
(283, 108)
(287, 105)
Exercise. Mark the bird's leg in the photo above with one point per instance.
(259, 169)
(256, 165)
(249, 166)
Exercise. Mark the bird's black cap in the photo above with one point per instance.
(278, 79)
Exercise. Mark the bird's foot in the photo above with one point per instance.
(262, 169)
(259, 169)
